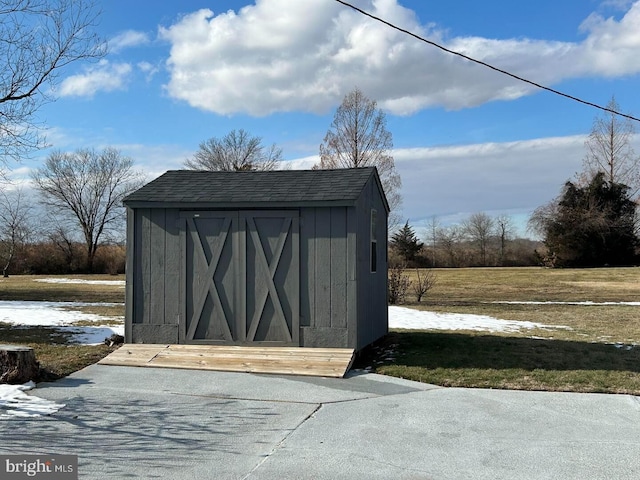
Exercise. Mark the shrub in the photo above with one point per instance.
(399, 283)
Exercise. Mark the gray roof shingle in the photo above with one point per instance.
(281, 187)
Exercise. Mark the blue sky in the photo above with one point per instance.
(466, 139)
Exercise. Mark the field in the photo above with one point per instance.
(596, 350)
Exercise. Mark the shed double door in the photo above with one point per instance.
(240, 277)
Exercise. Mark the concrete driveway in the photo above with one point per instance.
(127, 422)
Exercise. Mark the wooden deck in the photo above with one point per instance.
(320, 362)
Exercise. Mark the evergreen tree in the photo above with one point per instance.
(590, 226)
(406, 243)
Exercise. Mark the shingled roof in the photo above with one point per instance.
(192, 188)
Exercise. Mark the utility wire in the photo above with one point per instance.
(480, 62)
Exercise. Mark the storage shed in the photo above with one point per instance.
(282, 258)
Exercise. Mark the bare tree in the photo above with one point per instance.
(59, 233)
(504, 230)
(609, 151)
(89, 186)
(358, 137)
(479, 228)
(15, 216)
(449, 241)
(236, 151)
(434, 226)
(39, 38)
(398, 283)
(423, 283)
(542, 217)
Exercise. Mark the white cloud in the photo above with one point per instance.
(281, 55)
(148, 69)
(458, 180)
(305, 163)
(127, 39)
(512, 178)
(617, 4)
(154, 160)
(104, 76)
(612, 47)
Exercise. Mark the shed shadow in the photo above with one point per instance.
(456, 350)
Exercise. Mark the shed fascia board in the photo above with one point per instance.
(239, 205)
(381, 189)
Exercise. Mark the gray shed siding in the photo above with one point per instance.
(153, 265)
(373, 317)
(336, 305)
(327, 275)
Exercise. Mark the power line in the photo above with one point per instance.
(484, 64)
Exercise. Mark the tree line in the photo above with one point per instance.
(479, 241)
(79, 209)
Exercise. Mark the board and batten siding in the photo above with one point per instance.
(328, 304)
(327, 275)
(372, 305)
(153, 275)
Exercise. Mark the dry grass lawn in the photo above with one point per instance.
(57, 358)
(600, 352)
(27, 287)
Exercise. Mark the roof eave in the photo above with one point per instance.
(239, 205)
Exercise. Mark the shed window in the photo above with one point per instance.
(374, 241)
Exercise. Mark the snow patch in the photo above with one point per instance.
(409, 319)
(62, 315)
(80, 280)
(587, 303)
(14, 402)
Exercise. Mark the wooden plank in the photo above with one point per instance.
(274, 359)
(248, 365)
(322, 314)
(286, 362)
(234, 349)
(326, 362)
(239, 273)
(144, 285)
(156, 265)
(292, 284)
(184, 290)
(252, 349)
(352, 283)
(172, 265)
(307, 266)
(130, 275)
(132, 354)
(338, 267)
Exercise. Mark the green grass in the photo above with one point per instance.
(581, 358)
(488, 361)
(57, 361)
